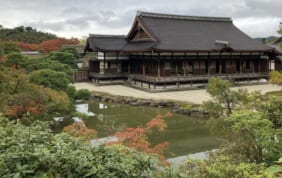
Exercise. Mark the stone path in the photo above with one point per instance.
(190, 96)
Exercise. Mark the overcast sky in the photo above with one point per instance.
(77, 18)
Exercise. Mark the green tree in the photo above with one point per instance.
(25, 34)
(63, 57)
(30, 65)
(275, 77)
(272, 108)
(9, 47)
(252, 138)
(280, 29)
(1, 52)
(70, 50)
(15, 60)
(71, 91)
(50, 78)
(217, 167)
(29, 29)
(34, 151)
(83, 40)
(19, 98)
(224, 100)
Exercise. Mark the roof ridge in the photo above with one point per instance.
(182, 17)
(107, 36)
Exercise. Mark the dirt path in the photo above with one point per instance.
(190, 96)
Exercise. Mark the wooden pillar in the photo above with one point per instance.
(220, 66)
(159, 70)
(184, 68)
(199, 66)
(176, 68)
(143, 68)
(259, 69)
(129, 67)
(241, 65)
(253, 66)
(118, 66)
(208, 61)
(104, 61)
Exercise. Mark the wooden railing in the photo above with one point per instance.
(155, 79)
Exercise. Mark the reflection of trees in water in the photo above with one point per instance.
(109, 123)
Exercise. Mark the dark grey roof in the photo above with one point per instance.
(279, 40)
(181, 33)
(106, 42)
(182, 17)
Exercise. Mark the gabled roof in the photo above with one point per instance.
(179, 33)
(279, 40)
(106, 42)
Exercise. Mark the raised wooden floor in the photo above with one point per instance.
(176, 82)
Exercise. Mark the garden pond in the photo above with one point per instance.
(185, 134)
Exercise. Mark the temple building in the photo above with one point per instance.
(163, 50)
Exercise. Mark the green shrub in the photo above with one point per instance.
(34, 151)
(1, 52)
(71, 91)
(15, 59)
(275, 77)
(63, 57)
(82, 94)
(9, 47)
(50, 78)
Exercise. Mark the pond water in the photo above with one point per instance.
(186, 135)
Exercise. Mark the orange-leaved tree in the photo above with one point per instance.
(27, 46)
(79, 129)
(138, 138)
(55, 44)
(19, 98)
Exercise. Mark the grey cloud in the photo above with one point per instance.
(84, 15)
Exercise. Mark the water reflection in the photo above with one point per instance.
(83, 108)
(185, 135)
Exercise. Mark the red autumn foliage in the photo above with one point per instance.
(27, 106)
(3, 58)
(55, 44)
(137, 138)
(27, 46)
(79, 129)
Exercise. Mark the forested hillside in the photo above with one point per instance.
(29, 39)
(24, 34)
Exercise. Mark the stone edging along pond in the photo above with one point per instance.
(176, 107)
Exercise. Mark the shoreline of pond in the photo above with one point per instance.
(193, 110)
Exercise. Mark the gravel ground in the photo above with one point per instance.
(190, 96)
